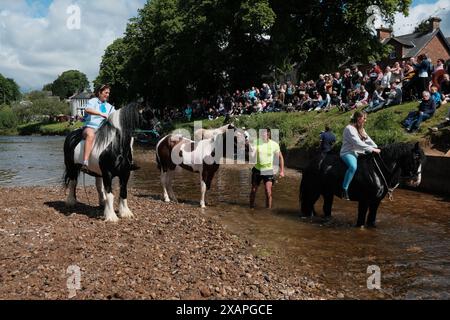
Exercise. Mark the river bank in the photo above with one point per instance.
(170, 251)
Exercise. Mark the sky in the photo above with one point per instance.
(36, 44)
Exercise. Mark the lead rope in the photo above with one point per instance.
(390, 190)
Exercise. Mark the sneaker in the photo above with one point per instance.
(345, 195)
(434, 129)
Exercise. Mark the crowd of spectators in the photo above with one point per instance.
(372, 90)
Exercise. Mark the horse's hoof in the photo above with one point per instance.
(112, 219)
(71, 203)
(126, 214)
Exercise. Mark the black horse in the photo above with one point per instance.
(111, 157)
(376, 176)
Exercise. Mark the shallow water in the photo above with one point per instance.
(410, 246)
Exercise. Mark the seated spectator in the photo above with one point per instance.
(336, 100)
(363, 98)
(377, 101)
(395, 95)
(325, 103)
(317, 101)
(436, 96)
(305, 103)
(426, 110)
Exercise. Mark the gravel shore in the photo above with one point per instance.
(169, 251)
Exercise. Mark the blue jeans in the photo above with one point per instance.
(352, 164)
(420, 118)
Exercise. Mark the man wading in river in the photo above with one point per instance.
(266, 151)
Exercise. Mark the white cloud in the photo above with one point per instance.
(34, 51)
(441, 9)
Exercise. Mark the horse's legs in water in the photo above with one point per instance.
(72, 197)
(362, 212)
(327, 204)
(203, 190)
(101, 191)
(164, 179)
(170, 175)
(109, 213)
(373, 208)
(124, 211)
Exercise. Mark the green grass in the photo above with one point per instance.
(47, 129)
(301, 130)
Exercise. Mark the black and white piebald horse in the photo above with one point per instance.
(197, 156)
(111, 157)
(375, 177)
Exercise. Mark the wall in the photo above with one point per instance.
(435, 174)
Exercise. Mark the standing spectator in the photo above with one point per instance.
(445, 86)
(337, 84)
(346, 85)
(386, 79)
(375, 76)
(188, 112)
(423, 67)
(397, 72)
(327, 140)
(357, 77)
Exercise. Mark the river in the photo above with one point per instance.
(410, 246)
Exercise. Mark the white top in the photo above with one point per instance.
(352, 143)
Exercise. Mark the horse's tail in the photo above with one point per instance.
(72, 170)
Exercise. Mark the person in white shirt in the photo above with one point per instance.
(355, 140)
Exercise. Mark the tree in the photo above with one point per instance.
(69, 83)
(112, 72)
(9, 90)
(423, 26)
(8, 119)
(176, 50)
(47, 87)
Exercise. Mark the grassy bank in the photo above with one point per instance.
(47, 129)
(301, 130)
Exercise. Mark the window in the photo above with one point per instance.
(393, 55)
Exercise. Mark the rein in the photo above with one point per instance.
(390, 190)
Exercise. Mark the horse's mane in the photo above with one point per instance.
(122, 123)
(393, 150)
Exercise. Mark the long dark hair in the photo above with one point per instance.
(354, 121)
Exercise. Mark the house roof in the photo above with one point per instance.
(81, 95)
(415, 42)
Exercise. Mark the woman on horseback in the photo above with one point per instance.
(355, 140)
(97, 110)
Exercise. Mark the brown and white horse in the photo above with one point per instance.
(202, 156)
(201, 133)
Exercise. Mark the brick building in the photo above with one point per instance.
(432, 43)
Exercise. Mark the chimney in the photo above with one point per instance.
(384, 33)
(434, 23)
